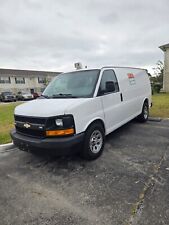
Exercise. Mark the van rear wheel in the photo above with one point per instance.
(93, 142)
(143, 117)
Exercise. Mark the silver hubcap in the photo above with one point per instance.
(145, 112)
(96, 141)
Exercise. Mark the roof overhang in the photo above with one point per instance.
(15, 72)
(164, 47)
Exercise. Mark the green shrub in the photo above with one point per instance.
(156, 87)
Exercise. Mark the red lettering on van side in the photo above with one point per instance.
(130, 75)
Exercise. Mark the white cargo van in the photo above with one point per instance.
(82, 107)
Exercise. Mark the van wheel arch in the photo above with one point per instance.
(146, 102)
(96, 121)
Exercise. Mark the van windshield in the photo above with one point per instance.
(78, 84)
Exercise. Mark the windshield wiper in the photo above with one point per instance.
(61, 95)
(44, 96)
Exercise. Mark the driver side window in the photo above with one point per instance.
(108, 75)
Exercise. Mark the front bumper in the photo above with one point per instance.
(56, 144)
(8, 99)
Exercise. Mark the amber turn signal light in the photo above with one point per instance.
(60, 132)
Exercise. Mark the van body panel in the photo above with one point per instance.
(86, 112)
(134, 90)
(48, 107)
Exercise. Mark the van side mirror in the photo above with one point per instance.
(110, 86)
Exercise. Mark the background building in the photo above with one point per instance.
(24, 80)
(165, 49)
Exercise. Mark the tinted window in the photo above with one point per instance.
(19, 80)
(108, 75)
(7, 93)
(41, 80)
(5, 80)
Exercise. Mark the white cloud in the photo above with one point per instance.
(52, 35)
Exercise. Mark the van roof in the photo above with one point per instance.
(108, 67)
(127, 67)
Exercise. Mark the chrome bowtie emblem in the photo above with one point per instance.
(26, 125)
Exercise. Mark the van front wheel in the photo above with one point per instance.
(94, 142)
(143, 117)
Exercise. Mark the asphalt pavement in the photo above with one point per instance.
(128, 184)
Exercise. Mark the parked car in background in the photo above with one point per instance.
(35, 95)
(24, 96)
(7, 96)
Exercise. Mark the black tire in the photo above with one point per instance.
(93, 150)
(143, 117)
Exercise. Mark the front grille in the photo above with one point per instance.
(34, 120)
(9, 97)
(30, 132)
(36, 128)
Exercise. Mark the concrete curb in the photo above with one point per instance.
(7, 146)
(155, 119)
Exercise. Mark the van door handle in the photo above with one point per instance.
(121, 96)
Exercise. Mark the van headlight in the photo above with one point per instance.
(60, 126)
(59, 122)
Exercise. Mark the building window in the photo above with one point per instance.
(5, 80)
(41, 80)
(19, 80)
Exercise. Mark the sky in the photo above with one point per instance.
(53, 35)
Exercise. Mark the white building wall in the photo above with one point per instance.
(30, 83)
(166, 71)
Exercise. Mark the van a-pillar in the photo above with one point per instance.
(165, 49)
